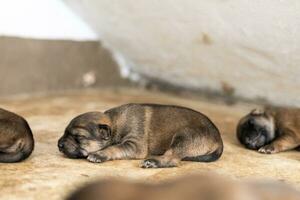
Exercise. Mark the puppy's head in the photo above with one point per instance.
(256, 129)
(85, 134)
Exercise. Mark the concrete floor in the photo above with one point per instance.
(47, 174)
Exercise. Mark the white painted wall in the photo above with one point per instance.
(251, 45)
(44, 19)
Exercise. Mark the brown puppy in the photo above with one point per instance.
(163, 134)
(270, 130)
(197, 187)
(16, 139)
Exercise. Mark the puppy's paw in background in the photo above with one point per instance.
(96, 158)
(149, 163)
(268, 149)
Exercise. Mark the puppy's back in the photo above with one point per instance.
(164, 115)
(159, 123)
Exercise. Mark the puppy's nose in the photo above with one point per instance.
(60, 145)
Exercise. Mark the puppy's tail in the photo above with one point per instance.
(25, 148)
(213, 156)
(11, 157)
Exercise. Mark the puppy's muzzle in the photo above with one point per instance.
(60, 145)
(73, 152)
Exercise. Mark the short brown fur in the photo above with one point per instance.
(16, 139)
(162, 134)
(283, 125)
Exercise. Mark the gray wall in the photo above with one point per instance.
(29, 65)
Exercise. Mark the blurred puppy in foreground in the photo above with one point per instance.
(270, 130)
(198, 187)
(16, 139)
(161, 134)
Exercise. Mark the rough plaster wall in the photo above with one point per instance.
(252, 46)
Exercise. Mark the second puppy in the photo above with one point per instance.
(162, 134)
(270, 130)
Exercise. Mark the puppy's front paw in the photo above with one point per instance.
(149, 163)
(96, 158)
(268, 149)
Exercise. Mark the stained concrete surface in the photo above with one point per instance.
(47, 174)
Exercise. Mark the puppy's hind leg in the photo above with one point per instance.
(169, 159)
(190, 145)
(204, 145)
(17, 152)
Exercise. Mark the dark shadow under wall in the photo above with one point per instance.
(35, 66)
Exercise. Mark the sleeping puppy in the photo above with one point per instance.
(197, 187)
(162, 134)
(16, 139)
(271, 130)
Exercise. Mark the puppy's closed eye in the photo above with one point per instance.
(80, 137)
(77, 138)
(262, 131)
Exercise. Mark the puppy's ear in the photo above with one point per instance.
(257, 111)
(104, 131)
